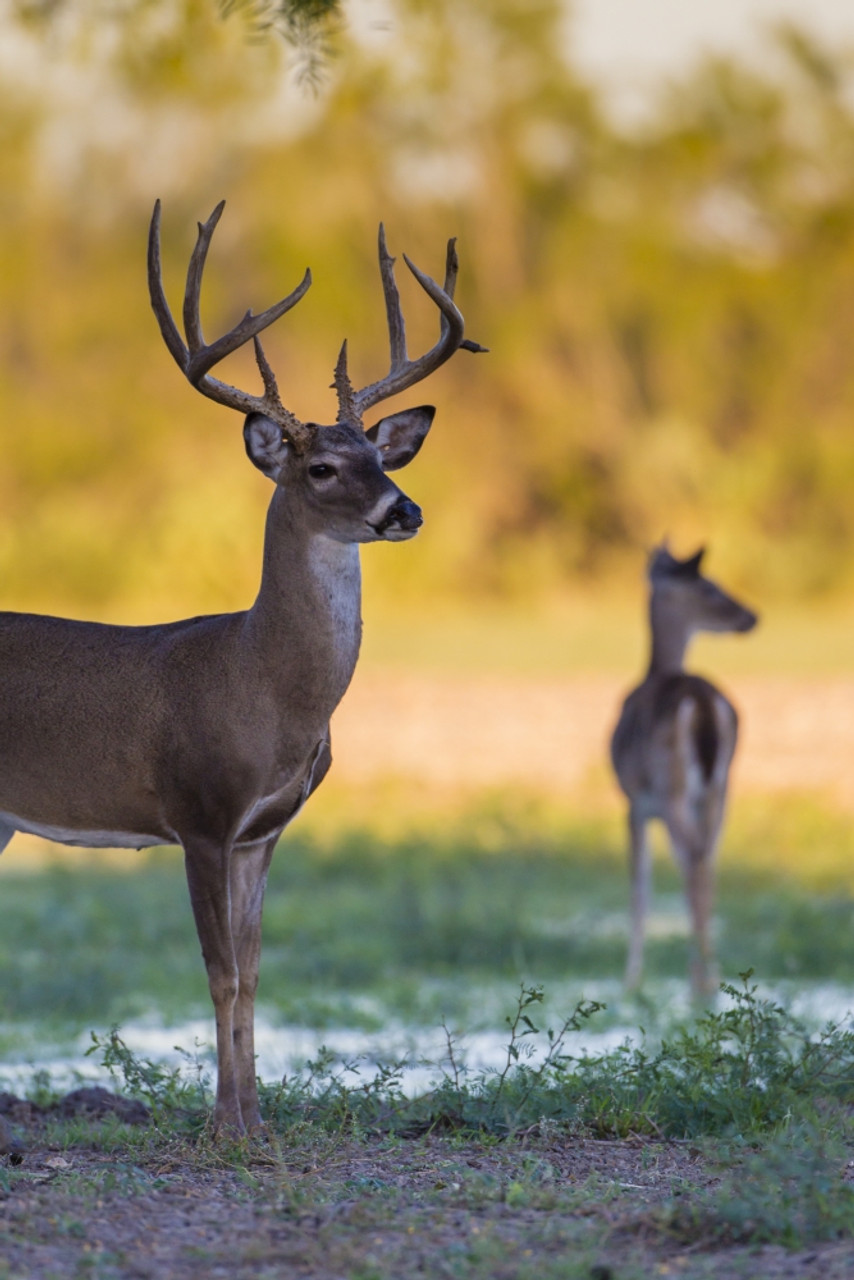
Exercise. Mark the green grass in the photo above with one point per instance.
(739, 1073)
(788, 1191)
(419, 924)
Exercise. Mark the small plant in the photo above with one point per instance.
(166, 1090)
(738, 1073)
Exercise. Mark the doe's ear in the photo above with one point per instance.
(399, 436)
(265, 445)
(691, 566)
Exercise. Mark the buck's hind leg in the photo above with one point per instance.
(248, 878)
(206, 862)
(639, 871)
(6, 833)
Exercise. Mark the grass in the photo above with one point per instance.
(738, 1074)
(787, 1191)
(415, 925)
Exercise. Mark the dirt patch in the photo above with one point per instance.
(323, 1207)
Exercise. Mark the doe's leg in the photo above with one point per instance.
(639, 871)
(693, 837)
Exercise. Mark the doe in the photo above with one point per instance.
(210, 733)
(672, 749)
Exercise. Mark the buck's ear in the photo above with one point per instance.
(265, 444)
(399, 436)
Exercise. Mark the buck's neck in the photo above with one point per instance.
(306, 619)
(670, 636)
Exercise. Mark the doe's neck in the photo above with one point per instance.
(670, 634)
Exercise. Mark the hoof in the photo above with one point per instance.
(228, 1127)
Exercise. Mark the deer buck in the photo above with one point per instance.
(211, 733)
(672, 749)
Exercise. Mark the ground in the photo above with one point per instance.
(342, 1207)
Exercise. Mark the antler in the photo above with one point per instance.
(403, 372)
(196, 358)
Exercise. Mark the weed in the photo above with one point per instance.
(740, 1071)
(41, 1089)
(179, 1091)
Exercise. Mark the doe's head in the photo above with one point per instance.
(699, 602)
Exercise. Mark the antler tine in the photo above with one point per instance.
(195, 271)
(202, 357)
(160, 306)
(394, 314)
(195, 359)
(452, 266)
(344, 387)
(271, 388)
(404, 372)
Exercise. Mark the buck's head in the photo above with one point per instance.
(340, 475)
(337, 475)
(682, 591)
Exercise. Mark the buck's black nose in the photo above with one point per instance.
(404, 515)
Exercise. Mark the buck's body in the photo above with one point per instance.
(149, 783)
(119, 745)
(672, 749)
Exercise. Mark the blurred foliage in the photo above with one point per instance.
(668, 310)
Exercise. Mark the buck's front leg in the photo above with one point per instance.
(207, 868)
(248, 875)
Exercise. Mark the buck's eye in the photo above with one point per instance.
(320, 470)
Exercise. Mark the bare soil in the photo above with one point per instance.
(322, 1207)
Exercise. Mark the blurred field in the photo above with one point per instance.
(551, 735)
(462, 702)
(668, 313)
